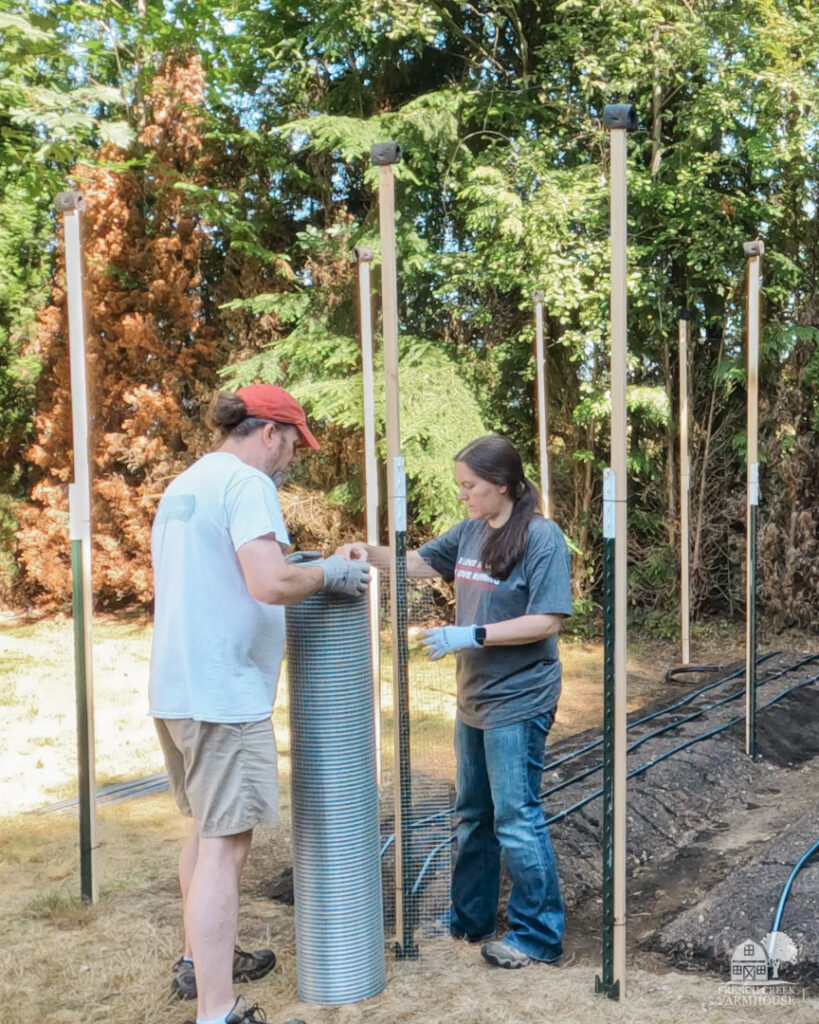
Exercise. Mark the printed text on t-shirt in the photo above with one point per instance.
(470, 571)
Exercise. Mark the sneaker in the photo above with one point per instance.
(244, 1014)
(252, 966)
(246, 967)
(183, 982)
(501, 954)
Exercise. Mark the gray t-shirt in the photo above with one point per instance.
(505, 684)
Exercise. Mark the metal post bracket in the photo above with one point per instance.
(755, 248)
(753, 483)
(609, 504)
(399, 492)
(602, 989)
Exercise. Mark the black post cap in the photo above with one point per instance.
(685, 314)
(620, 115)
(384, 153)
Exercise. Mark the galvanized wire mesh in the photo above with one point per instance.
(335, 812)
(428, 819)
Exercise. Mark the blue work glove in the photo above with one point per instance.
(446, 639)
(341, 576)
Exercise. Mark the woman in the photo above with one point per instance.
(512, 584)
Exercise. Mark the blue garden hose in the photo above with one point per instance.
(430, 858)
(783, 899)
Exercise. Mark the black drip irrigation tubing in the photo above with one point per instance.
(684, 670)
(678, 722)
(682, 746)
(664, 711)
(117, 793)
(158, 783)
(636, 771)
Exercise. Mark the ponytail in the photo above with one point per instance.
(228, 414)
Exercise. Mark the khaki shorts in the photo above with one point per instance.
(222, 775)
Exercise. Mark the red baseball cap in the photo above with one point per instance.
(268, 402)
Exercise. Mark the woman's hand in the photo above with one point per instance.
(447, 639)
(379, 558)
(356, 551)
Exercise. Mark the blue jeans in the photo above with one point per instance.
(498, 810)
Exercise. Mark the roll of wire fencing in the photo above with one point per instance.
(335, 807)
(432, 702)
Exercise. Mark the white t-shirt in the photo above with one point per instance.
(216, 650)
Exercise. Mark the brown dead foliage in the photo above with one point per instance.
(151, 355)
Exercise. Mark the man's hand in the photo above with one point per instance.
(343, 576)
(446, 639)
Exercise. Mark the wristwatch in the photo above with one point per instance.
(480, 635)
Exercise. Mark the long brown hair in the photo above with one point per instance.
(495, 459)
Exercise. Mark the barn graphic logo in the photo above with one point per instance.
(758, 963)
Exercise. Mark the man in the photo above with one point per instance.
(221, 581)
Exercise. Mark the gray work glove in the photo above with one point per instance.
(341, 576)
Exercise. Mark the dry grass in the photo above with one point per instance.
(39, 757)
(38, 760)
(65, 963)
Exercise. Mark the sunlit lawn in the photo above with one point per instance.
(37, 696)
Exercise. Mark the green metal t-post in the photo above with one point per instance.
(71, 206)
(607, 985)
